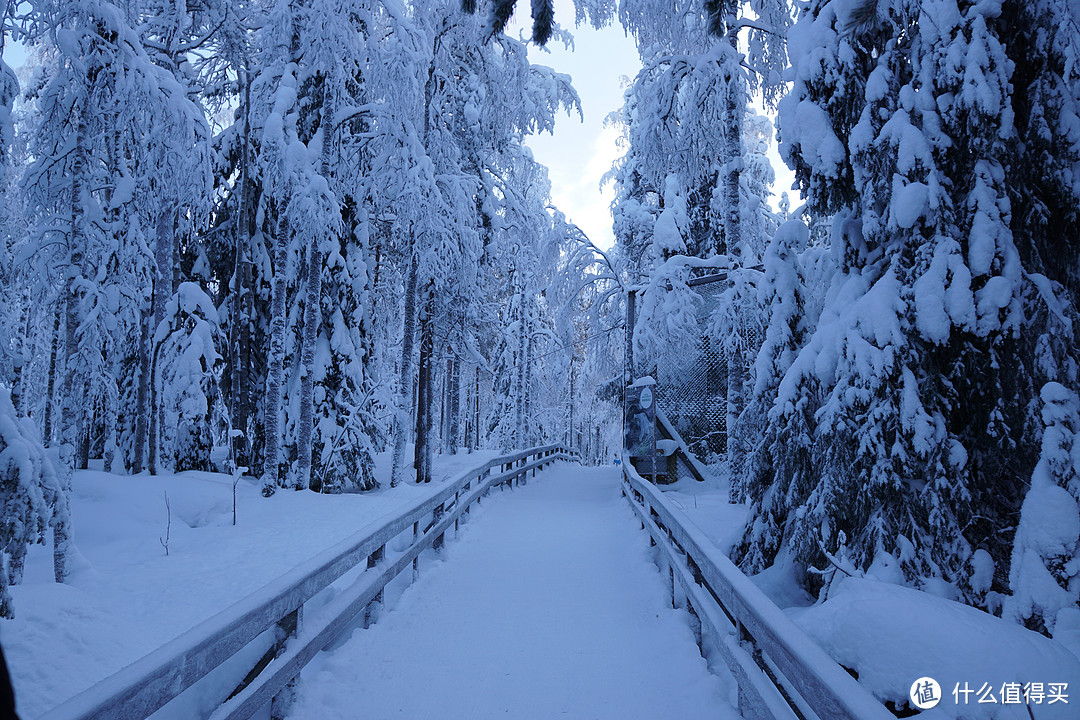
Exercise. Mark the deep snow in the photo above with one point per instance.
(892, 635)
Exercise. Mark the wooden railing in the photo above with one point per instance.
(781, 673)
(148, 684)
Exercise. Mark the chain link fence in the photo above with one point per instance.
(692, 382)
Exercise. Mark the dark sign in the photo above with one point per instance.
(641, 425)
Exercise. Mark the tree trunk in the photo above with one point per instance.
(444, 404)
(401, 412)
(142, 394)
(423, 455)
(163, 290)
(19, 355)
(570, 433)
(628, 352)
(519, 396)
(455, 403)
(736, 379)
(73, 400)
(736, 107)
(476, 410)
(50, 392)
(312, 320)
(528, 438)
(17, 563)
(271, 479)
(82, 450)
(243, 306)
(17, 381)
(108, 452)
(155, 416)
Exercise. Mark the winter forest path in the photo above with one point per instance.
(548, 605)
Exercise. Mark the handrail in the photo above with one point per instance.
(780, 671)
(667, 428)
(149, 683)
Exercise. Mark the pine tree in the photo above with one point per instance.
(188, 339)
(784, 298)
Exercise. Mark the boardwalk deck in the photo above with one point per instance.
(548, 606)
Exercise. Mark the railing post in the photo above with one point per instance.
(648, 513)
(287, 627)
(415, 560)
(436, 515)
(695, 625)
(676, 600)
(372, 609)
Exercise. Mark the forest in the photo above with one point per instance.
(275, 238)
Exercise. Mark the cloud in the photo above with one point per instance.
(581, 197)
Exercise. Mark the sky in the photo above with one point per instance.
(601, 63)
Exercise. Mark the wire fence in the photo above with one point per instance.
(692, 381)
(691, 386)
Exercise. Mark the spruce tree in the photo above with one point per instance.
(916, 385)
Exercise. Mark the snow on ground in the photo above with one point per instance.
(549, 602)
(706, 505)
(128, 597)
(547, 606)
(893, 635)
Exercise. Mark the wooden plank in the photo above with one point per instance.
(668, 429)
(821, 682)
(758, 697)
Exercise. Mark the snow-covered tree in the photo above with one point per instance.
(783, 295)
(107, 113)
(914, 390)
(187, 342)
(28, 490)
(1044, 569)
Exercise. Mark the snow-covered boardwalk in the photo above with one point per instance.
(547, 606)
